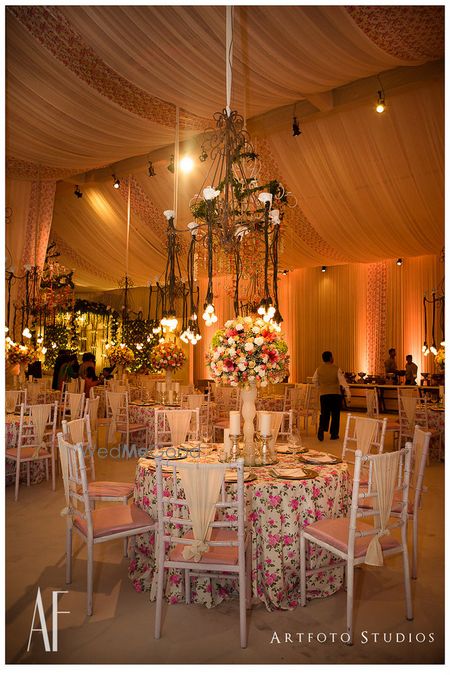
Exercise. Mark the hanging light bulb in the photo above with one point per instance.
(381, 106)
(433, 349)
(116, 184)
(26, 332)
(424, 347)
(186, 164)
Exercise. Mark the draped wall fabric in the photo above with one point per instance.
(342, 310)
(376, 317)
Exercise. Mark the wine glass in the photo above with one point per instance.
(294, 441)
(206, 435)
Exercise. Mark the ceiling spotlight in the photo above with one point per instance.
(77, 192)
(295, 127)
(186, 164)
(381, 106)
(399, 262)
(324, 268)
(171, 165)
(116, 184)
(150, 169)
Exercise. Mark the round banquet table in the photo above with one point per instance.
(37, 469)
(275, 511)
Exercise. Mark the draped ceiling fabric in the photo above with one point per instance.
(93, 91)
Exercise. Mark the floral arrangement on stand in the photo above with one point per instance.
(138, 333)
(439, 359)
(248, 351)
(167, 355)
(119, 355)
(22, 354)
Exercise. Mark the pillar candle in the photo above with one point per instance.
(163, 386)
(170, 396)
(158, 386)
(235, 423)
(226, 442)
(30, 379)
(265, 423)
(176, 386)
(441, 393)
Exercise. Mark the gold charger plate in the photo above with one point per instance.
(309, 473)
(318, 462)
(248, 477)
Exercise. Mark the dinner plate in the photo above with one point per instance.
(316, 457)
(168, 453)
(285, 449)
(292, 473)
(231, 476)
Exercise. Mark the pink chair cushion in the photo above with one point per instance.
(26, 453)
(110, 489)
(368, 503)
(115, 519)
(217, 555)
(334, 531)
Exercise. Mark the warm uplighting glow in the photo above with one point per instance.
(186, 164)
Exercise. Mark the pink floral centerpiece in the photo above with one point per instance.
(167, 355)
(21, 354)
(440, 358)
(248, 351)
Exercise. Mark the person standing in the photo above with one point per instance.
(390, 365)
(411, 370)
(329, 378)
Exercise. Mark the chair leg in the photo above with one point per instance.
(90, 574)
(159, 595)
(46, 470)
(302, 570)
(125, 547)
(28, 474)
(242, 608)
(406, 577)
(350, 585)
(16, 489)
(69, 555)
(248, 567)
(133, 548)
(415, 546)
(187, 586)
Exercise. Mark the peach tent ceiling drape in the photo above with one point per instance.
(95, 94)
(372, 190)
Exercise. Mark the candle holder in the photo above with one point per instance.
(235, 450)
(267, 455)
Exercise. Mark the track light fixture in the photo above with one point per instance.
(116, 184)
(171, 165)
(381, 104)
(324, 268)
(296, 131)
(399, 262)
(150, 170)
(77, 192)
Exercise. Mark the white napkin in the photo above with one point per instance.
(295, 473)
(319, 457)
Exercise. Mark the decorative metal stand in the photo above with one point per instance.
(235, 450)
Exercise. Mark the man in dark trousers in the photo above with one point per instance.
(329, 378)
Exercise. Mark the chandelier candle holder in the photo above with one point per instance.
(250, 353)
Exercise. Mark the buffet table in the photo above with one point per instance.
(276, 509)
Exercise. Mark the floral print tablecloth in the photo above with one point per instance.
(276, 510)
(37, 469)
(436, 420)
